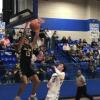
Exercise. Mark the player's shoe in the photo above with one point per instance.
(32, 97)
(17, 98)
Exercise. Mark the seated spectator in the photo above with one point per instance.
(93, 43)
(40, 57)
(33, 59)
(43, 48)
(85, 58)
(92, 66)
(80, 55)
(84, 42)
(80, 41)
(69, 39)
(80, 45)
(40, 42)
(91, 53)
(6, 41)
(98, 43)
(99, 52)
(15, 37)
(2, 45)
(2, 71)
(97, 58)
(50, 59)
(2, 68)
(66, 47)
(64, 40)
(74, 47)
(36, 51)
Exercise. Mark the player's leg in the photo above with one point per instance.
(78, 93)
(85, 93)
(36, 83)
(23, 84)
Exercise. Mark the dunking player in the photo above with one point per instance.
(25, 64)
(55, 82)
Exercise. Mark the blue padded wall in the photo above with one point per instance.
(68, 24)
(8, 92)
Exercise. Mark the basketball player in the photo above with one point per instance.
(27, 72)
(55, 82)
(81, 86)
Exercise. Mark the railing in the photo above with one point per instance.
(44, 71)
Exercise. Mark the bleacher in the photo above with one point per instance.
(73, 63)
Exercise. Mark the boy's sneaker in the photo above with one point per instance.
(17, 98)
(32, 97)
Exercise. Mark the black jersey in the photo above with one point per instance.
(26, 53)
(25, 60)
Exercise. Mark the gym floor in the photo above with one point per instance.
(95, 98)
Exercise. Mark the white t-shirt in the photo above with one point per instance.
(49, 33)
(55, 84)
(74, 47)
(40, 42)
(80, 81)
(66, 47)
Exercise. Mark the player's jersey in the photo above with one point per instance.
(55, 84)
(26, 53)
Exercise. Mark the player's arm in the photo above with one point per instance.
(34, 42)
(36, 30)
(49, 83)
(60, 74)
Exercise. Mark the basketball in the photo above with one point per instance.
(35, 25)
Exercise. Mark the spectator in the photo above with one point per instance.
(98, 43)
(92, 66)
(93, 43)
(50, 59)
(40, 42)
(80, 55)
(69, 39)
(66, 47)
(40, 56)
(81, 86)
(74, 47)
(49, 36)
(2, 71)
(80, 41)
(64, 40)
(11, 33)
(2, 45)
(54, 38)
(84, 42)
(6, 41)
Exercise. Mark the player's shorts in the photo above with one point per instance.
(51, 98)
(27, 70)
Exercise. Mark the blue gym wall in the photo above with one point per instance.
(68, 24)
(68, 89)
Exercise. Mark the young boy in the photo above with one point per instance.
(55, 82)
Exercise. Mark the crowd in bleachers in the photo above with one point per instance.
(82, 52)
(44, 54)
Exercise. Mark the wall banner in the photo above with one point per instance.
(94, 29)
